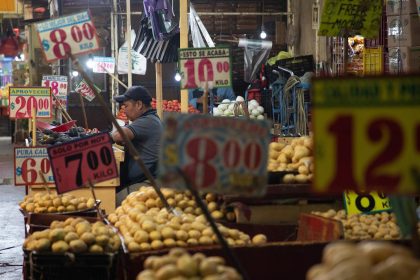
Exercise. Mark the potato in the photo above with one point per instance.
(169, 242)
(194, 234)
(102, 240)
(148, 226)
(289, 179)
(187, 265)
(141, 236)
(155, 235)
(205, 240)
(167, 272)
(145, 246)
(134, 247)
(208, 267)
(60, 247)
(167, 232)
(71, 236)
(156, 244)
(57, 234)
(78, 246)
(217, 215)
(42, 244)
(259, 239)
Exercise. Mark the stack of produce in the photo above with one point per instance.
(227, 109)
(366, 226)
(296, 157)
(179, 264)
(42, 202)
(366, 260)
(145, 225)
(174, 106)
(75, 235)
(49, 137)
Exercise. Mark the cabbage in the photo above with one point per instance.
(226, 101)
(240, 98)
(253, 101)
(260, 117)
(255, 112)
(231, 106)
(216, 112)
(222, 107)
(260, 109)
(252, 106)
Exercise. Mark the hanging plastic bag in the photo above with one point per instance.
(255, 54)
(162, 19)
(199, 31)
(138, 61)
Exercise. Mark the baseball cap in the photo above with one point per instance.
(135, 93)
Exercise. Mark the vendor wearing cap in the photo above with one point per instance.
(144, 131)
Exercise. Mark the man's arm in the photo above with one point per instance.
(116, 136)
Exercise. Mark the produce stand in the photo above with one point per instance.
(104, 191)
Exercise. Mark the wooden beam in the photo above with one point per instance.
(183, 27)
(159, 95)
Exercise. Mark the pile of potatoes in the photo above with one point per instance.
(373, 260)
(293, 157)
(75, 235)
(181, 201)
(367, 226)
(42, 202)
(179, 264)
(153, 228)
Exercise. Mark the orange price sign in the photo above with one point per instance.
(367, 134)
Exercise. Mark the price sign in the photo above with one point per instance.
(365, 203)
(367, 134)
(200, 65)
(73, 34)
(23, 100)
(75, 163)
(103, 64)
(58, 85)
(28, 163)
(351, 17)
(222, 155)
(84, 89)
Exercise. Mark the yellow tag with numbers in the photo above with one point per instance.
(365, 203)
(367, 134)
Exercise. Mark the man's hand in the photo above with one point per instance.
(117, 137)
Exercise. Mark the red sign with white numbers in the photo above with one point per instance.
(76, 163)
(73, 34)
(223, 155)
(199, 66)
(29, 162)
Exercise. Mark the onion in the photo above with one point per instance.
(240, 98)
(216, 112)
(255, 112)
(260, 117)
(260, 109)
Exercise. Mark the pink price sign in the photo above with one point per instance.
(76, 163)
(199, 66)
(73, 34)
(29, 163)
(23, 100)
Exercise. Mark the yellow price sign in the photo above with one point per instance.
(367, 134)
(365, 203)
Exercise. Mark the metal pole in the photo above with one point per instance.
(128, 8)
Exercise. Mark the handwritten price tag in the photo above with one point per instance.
(22, 100)
(58, 85)
(200, 65)
(222, 155)
(103, 64)
(28, 162)
(84, 89)
(367, 134)
(365, 203)
(73, 34)
(75, 163)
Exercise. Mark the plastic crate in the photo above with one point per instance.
(68, 266)
(373, 61)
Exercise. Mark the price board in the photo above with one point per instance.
(29, 161)
(61, 36)
(84, 89)
(22, 100)
(200, 65)
(351, 17)
(222, 155)
(58, 85)
(102, 64)
(76, 163)
(367, 134)
(365, 203)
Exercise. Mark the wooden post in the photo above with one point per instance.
(206, 99)
(82, 104)
(159, 95)
(33, 121)
(183, 43)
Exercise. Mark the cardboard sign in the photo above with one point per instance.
(8, 7)
(351, 17)
(367, 134)
(200, 65)
(23, 100)
(365, 203)
(61, 36)
(103, 64)
(84, 89)
(58, 85)
(75, 163)
(28, 163)
(222, 155)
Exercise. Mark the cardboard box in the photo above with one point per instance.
(404, 60)
(403, 31)
(397, 7)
